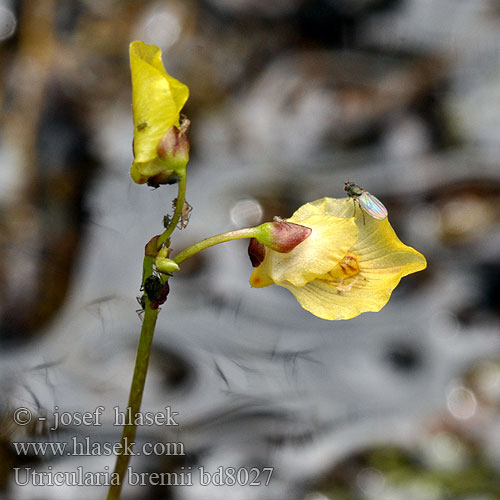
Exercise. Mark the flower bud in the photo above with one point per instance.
(164, 264)
(282, 236)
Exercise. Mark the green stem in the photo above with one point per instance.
(147, 332)
(135, 398)
(250, 232)
(179, 206)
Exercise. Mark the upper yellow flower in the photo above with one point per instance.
(157, 100)
(347, 266)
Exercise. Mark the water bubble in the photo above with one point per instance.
(444, 324)
(246, 212)
(165, 28)
(461, 403)
(8, 23)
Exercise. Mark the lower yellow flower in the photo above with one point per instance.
(347, 266)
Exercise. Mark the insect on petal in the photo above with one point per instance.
(372, 206)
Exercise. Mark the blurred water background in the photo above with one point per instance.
(289, 99)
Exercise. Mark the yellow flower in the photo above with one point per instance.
(157, 100)
(347, 266)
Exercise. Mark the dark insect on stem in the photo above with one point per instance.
(142, 302)
(156, 291)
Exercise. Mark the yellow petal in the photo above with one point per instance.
(157, 99)
(343, 207)
(142, 172)
(378, 246)
(379, 250)
(329, 241)
(260, 275)
(333, 301)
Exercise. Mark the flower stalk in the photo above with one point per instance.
(179, 206)
(215, 240)
(135, 397)
(281, 236)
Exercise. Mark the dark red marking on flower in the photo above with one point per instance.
(256, 252)
(349, 265)
(174, 142)
(287, 235)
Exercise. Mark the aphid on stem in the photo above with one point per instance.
(142, 302)
(366, 201)
(185, 214)
(184, 124)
